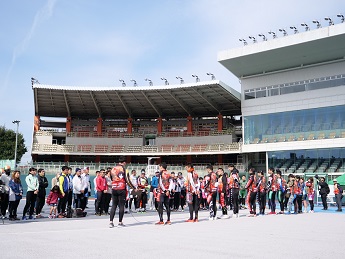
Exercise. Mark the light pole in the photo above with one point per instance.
(15, 149)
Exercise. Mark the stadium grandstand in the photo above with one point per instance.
(290, 113)
(196, 123)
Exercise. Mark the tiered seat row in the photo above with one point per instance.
(302, 166)
(298, 137)
(88, 148)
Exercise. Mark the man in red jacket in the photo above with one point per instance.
(101, 187)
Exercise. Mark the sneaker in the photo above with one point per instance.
(339, 210)
(50, 216)
(196, 220)
(210, 218)
(305, 211)
(168, 222)
(311, 211)
(280, 212)
(234, 216)
(111, 225)
(61, 216)
(225, 217)
(24, 218)
(189, 220)
(160, 223)
(31, 217)
(272, 213)
(288, 213)
(215, 218)
(120, 225)
(16, 218)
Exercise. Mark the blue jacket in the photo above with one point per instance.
(154, 182)
(17, 188)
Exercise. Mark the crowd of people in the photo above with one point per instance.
(166, 191)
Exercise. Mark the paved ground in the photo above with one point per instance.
(318, 235)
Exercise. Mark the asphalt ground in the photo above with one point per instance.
(317, 235)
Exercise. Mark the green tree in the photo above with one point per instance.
(8, 142)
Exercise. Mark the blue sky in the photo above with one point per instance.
(96, 43)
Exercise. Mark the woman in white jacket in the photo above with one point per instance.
(79, 186)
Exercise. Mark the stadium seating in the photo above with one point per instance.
(84, 148)
(101, 148)
(150, 149)
(183, 148)
(199, 148)
(216, 147)
(117, 149)
(66, 148)
(167, 148)
(134, 149)
(52, 148)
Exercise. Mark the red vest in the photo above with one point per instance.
(118, 178)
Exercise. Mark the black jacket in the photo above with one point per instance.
(42, 185)
(324, 188)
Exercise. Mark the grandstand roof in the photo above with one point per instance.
(293, 51)
(202, 99)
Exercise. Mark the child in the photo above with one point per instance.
(310, 193)
(52, 200)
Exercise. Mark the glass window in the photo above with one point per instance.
(299, 125)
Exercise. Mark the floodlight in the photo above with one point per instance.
(305, 26)
(341, 16)
(318, 24)
(165, 81)
(263, 37)
(212, 76)
(181, 79)
(196, 78)
(122, 82)
(150, 81)
(273, 34)
(252, 38)
(330, 22)
(294, 29)
(244, 41)
(283, 31)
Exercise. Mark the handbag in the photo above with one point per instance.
(12, 195)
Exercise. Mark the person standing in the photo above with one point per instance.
(234, 187)
(222, 190)
(154, 185)
(55, 180)
(16, 190)
(243, 192)
(64, 189)
(323, 191)
(165, 184)
(272, 190)
(211, 186)
(107, 196)
(78, 189)
(310, 193)
(192, 193)
(181, 182)
(338, 192)
(251, 187)
(133, 193)
(281, 190)
(142, 192)
(101, 188)
(41, 195)
(119, 188)
(5, 178)
(31, 194)
(261, 192)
